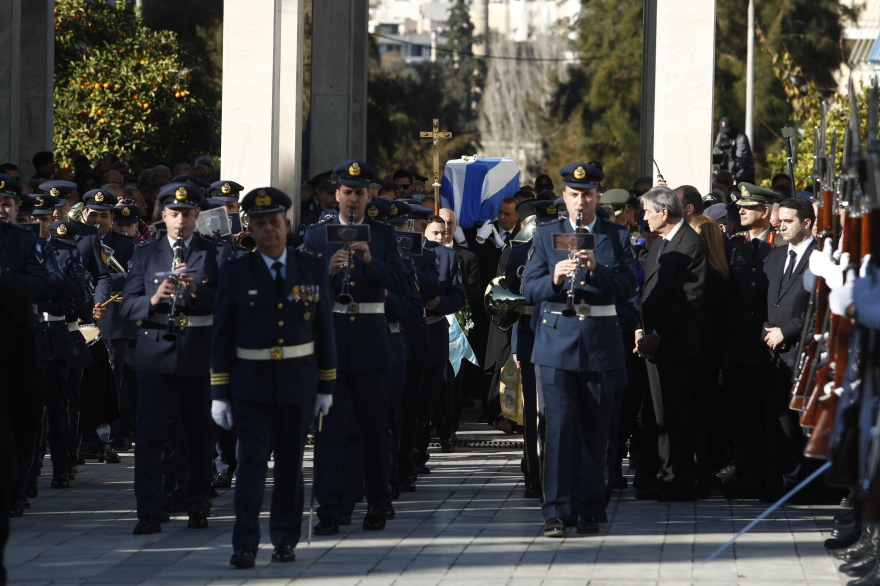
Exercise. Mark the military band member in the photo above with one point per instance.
(364, 352)
(579, 356)
(273, 365)
(171, 356)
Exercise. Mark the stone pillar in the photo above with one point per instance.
(683, 92)
(339, 83)
(261, 142)
(26, 66)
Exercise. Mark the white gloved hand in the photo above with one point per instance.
(459, 237)
(841, 297)
(834, 274)
(221, 413)
(863, 272)
(323, 402)
(820, 260)
(485, 232)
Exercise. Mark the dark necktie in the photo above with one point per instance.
(506, 238)
(279, 280)
(786, 276)
(756, 248)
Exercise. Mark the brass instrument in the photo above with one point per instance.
(502, 304)
(76, 213)
(173, 328)
(245, 240)
(107, 255)
(344, 297)
(569, 310)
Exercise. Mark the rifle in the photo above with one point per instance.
(788, 134)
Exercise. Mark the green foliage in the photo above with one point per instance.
(123, 88)
(598, 109)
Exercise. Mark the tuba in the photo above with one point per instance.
(502, 305)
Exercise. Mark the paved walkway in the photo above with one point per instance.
(467, 524)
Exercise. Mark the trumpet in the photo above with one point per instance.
(107, 254)
(344, 297)
(173, 327)
(569, 310)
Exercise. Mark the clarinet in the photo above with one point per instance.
(172, 328)
(569, 310)
(344, 297)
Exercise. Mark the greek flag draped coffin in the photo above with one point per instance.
(473, 190)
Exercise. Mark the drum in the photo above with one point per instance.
(91, 333)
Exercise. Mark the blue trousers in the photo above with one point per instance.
(578, 408)
(260, 429)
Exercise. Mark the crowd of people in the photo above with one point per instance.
(657, 324)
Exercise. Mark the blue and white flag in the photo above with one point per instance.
(474, 190)
(459, 347)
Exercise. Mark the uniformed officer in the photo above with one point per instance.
(615, 201)
(170, 356)
(749, 374)
(229, 192)
(364, 352)
(273, 365)
(579, 356)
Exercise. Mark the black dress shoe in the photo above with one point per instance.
(587, 525)
(838, 532)
(71, 472)
(847, 502)
(374, 520)
(111, 456)
(165, 516)
(243, 558)
(533, 491)
(643, 480)
(860, 567)
(31, 491)
(222, 481)
(147, 526)
(858, 550)
(446, 445)
(283, 554)
(198, 520)
(329, 526)
(844, 540)
(15, 509)
(406, 485)
(872, 578)
(843, 519)
(650, 493)
(60, 482)
(678, 493)
(555, 527)
(345, 519)
(388, 512)
(422, 470)
(91, 454)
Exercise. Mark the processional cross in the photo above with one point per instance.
(436, 135)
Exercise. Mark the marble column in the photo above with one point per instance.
(26, 67)
(339, 83)
(683, 91)
(261, 142)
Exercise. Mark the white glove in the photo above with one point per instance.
(459, 237)
(221, 413)
(820, 260)
(323, 402)
(841, 297)
(834, 274)
(809, 280)
(865, 263)
(485, 232)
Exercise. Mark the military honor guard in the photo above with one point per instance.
(273, 366)
(578, 344)
(363, 261)
(170, 292)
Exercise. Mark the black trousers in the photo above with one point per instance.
(757, 428)
(262, 428)
(409, 418)
(165, 397)
(74, 377)
(58, 416)
(672, 390)
(432, 384)
(530, 423)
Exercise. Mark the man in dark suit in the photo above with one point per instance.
(579, 354)
(670, 338)
(787, 302)
(273, 365)
(173, 370)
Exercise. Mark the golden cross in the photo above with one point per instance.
(436, 135)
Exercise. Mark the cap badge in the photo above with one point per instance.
(580, 172)
(126, 212)
(40, 202)
(354, 170)
(550, 210)
(2, 184)
(263, 199)
(54, 192)
(99, 197)
(180, 193)
(393, 210)
(61, 230)
(372, 211)
(226, 188)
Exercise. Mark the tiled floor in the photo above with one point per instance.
(466, 524)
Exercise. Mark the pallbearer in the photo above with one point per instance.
(273, 365)
(363, 260)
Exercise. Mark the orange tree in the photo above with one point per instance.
(123, 88)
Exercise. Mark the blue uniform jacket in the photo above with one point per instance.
(90, 251)
(567, 343)
(114, 326)
(189, 355)
(22, 263)
(522, 339)
(451, 295)
(427, 275)
(79, 303)
(249, 313)
(362, 341)
(54, 333)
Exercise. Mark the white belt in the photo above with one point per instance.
(583, 309)
(50, 317)
(189, 321)
(276, 353)
(527, 310)
(394, 327)
(359, 308)
(72, 326)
